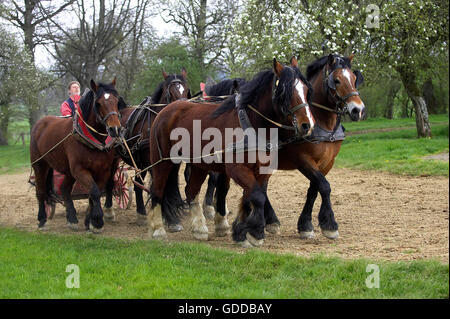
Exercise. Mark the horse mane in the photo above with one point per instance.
(87, 100)
(157, 94)
(315, 67)
(251, 91)
(223, 87)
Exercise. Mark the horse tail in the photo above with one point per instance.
(172, 204)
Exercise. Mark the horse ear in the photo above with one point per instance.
(114, 81)
(277, 67)
(94, 86)
(165, 75)
(235, 85)
(294, 62)
(184, 73)
(351, 56)
(331, 60)
(359, 78)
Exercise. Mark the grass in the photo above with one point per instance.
(398, 152)
(381, 123)
(14, 158)
(34, 266)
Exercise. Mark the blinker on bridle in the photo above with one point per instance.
(341, 102)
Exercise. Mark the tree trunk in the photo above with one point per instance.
(4, 121)
(389, 112)
(430, 97)
(408, 77)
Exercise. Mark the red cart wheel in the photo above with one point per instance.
(122, 192)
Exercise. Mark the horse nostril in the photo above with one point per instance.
(355, 111)
(305, 127)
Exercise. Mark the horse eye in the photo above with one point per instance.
(337, 81)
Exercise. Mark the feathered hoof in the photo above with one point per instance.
(244, 244)
(175, 228)
(306, 234)
(330, 234)
(141, 220)
(200, 235)
(109, 214)
(159, 234)
(273, 228)
(222, 232)
(255, 242)
(209, 212)
(73, 226)
(95, 230)
(43, 228)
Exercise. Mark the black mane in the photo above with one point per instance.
(88, 99)
(251, 91)
(224, 87)
(157, 94)
(315, 67)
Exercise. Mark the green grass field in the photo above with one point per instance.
(34, 266)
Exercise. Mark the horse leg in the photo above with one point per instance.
(208, 202)
(272, 221)
(327, 223)
(108, 210)
(160, 178)
(198, 222)
(304, 224)
(222, 228)
(66, 193)
(41, 170)
(248, 229)
(141, 214)
(94, 217)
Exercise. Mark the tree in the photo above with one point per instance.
(82, 50)
(16, 73)
(31, 17)
(205, 25)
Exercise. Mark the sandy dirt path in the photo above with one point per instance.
(380, 215)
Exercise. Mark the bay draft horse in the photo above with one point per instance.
(279, 96)
(137, 121)
(89, 167)
(335, 88)
(223, 88)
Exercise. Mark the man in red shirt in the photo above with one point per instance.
(69, 106)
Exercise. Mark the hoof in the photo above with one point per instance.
(200, 235)
(141, 220)
(95, 230)
(175, 228)
(306, 234)
(160, 234)
(273, 228)
(330, 234)
(244, 244)
(255, 242)
(209, 212)
(222, 232)
(222, 228)
(109, 214)
(73, 226)
(43, 228)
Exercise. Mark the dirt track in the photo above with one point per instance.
(380, 215)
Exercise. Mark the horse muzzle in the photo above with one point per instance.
(357, 112)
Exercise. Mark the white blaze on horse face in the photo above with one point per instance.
(180, 88)
(346, 74)
(299, 86)
(106, 96)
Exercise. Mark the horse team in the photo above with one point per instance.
(304, 111)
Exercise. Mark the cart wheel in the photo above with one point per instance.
(50, 209)
(122, 191)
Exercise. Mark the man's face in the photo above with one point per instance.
(74, 89)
